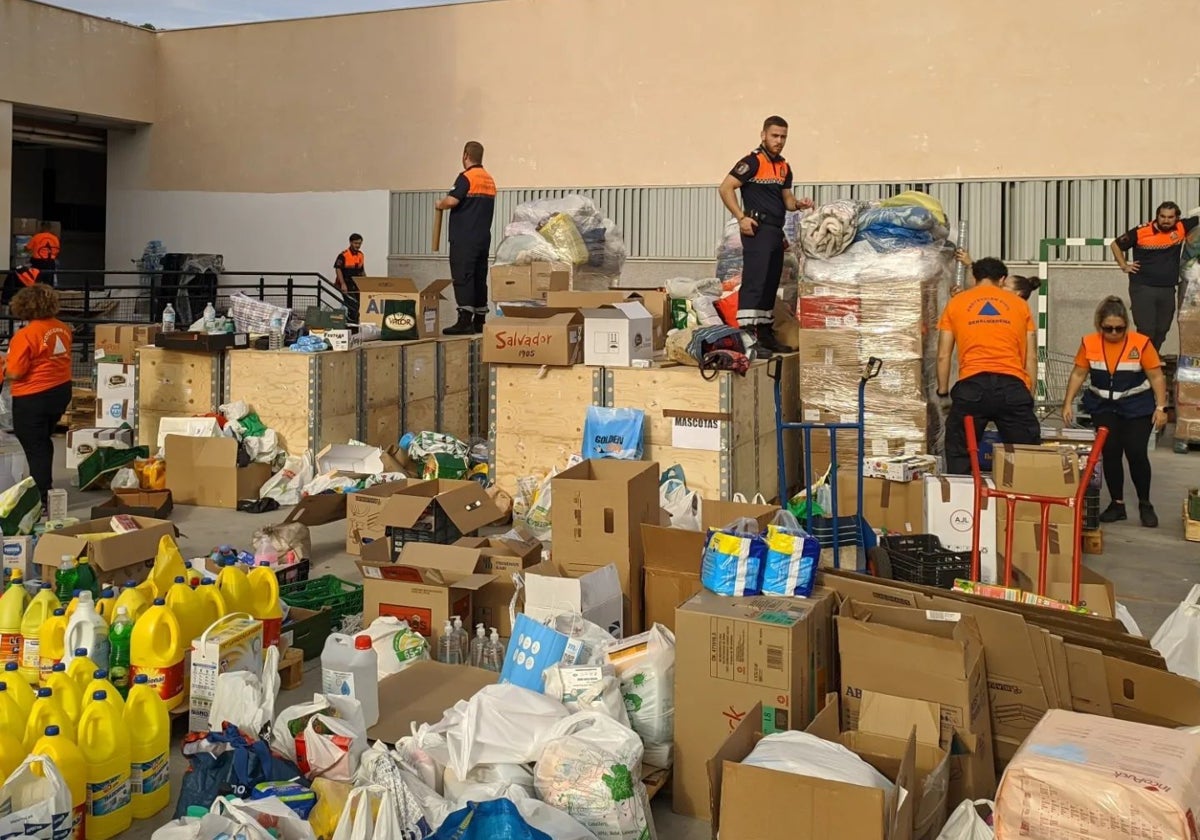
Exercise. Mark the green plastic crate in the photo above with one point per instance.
(342, 598)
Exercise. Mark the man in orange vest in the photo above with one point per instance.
(44, 249)
(1154, 270)
(350, 264)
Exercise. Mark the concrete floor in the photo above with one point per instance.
(1152, 571)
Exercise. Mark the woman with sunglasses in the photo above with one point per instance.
(1128, 396)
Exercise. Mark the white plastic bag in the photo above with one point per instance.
(646, 666)
(396, 645)
(808, 755)
(284, 487)
(250, 814)
(414, 802)
(1178, 639)
(424, 754)
(332, 748)
(36, 803)
(501, 724)
(291, 722)
(371, 814)
(593, 688)
(245, 699)
(681, 504)
(125, 479)
(196, 828)
(504, 775)
(966, 824)
(1126, 618)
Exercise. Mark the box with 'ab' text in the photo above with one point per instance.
(533, 335)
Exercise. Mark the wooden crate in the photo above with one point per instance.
(1191, 527)
(309, 399)
(175, 383)
(420, 370)
(454, 415)
(381, 379)
(458, 360)
(535, 417)
(1093, 541)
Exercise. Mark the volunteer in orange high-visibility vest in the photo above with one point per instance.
(44, 248)
(1127, 395)
(39, 373)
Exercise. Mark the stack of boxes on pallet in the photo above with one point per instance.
(1187, 374)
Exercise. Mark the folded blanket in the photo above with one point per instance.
(830, 229)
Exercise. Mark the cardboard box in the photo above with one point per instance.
(122, 557)
(122, 340)
(201, 342)
(155, 504)
(894, 505)
(421, 693)
(750, 801)
(350, 459)
(440, 511)
(116, 394)
(81, 443)
(502, 558)
(735, 657)
(23, 226)
(429, 585)
(363, 523)
(375, 292)
(17, 554)
(197, 427)
(320, 509)
(829, 348)
(657, 303)
(596, 595)
(529, 282)
(935, 658)
(534, 336)
(204, 472)
(597, 516)
(824, 311)
(672, 557)
(236, 645)
(902, 468)
(950, 514)
(617, 335)
(343, 339)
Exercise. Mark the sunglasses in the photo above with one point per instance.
(1113, 330)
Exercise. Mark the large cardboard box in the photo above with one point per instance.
(204, 472)
(439, 511)
(887, 505)
(657, 303)
(429, 585)
(376, 291)
(1038, 471)
(936, 658)
(529, 282)
(81, 443)
(237, 645)
(363, 523)
(672, 557)
(734, 657)
(534, 336)
(618, 335)
(950, 514)
(596, 595)
(502, 556)
(597, 516)
(123, 340)
(116, 394)
(122, 557)
(421, 693)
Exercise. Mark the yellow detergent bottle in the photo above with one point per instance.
(73, 603)
(52, 644)
(12, 611)
(104, 742)
(12, 719)
(40, 608)
(66, 690)
(12, 753)
(156, 651)
(107, 605)
(101, 682)
(68, 759)
(189, 611)
(47, 711)
(149, 726)
(212, 601)
(235, 587)
(81, 669)
(193, 577)
(168, 565)
(18, 689)
(264, 603)
(133, 600)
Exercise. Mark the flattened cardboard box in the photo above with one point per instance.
(421, 693)
(530, 335)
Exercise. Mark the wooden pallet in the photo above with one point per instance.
(1093, 541)
(291, 669)
(1191, 527)
(655, 779)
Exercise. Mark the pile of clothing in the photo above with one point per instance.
(570, 230)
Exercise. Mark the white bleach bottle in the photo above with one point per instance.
(350, 668)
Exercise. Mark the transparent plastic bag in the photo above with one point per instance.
(733, 558)
(790, 566)
(563, 234)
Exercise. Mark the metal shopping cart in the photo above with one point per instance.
(1053, 390)
(835, 531)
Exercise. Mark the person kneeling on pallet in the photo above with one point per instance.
(997, 358)
(1128, 396)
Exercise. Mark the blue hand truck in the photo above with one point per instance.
(828, 531)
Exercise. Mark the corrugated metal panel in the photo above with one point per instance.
(1007, 218)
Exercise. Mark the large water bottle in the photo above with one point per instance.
(349, 667)
(960, 270)
(210, 318)
(168, 319)
(275, 337)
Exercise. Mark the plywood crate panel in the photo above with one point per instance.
(454, 415)
(456, 357)
(179, 382)
(382, 374)
(420, 416)
(420, 370)
(381, 426)
(309, 399)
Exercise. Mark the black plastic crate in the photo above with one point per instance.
(295, 573)
(434, 526)
(823, 529)
(920, 558)
(1091, 509)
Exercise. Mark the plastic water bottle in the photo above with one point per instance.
(463, 640)
(960, 270)
(349, 667)
(275, 338)
(168, 318)
(449, 650)
(493, 653)
(210, 318)
(477, 646)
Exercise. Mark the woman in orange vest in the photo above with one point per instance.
(1127, 395)
(39, 370)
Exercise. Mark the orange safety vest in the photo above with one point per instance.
(1151, 238)
(28, 276)
(1125, 388)
(352, 263)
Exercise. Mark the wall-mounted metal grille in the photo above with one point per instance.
(1008, 218)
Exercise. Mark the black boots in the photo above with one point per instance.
(1149, 517)
(767, 342)
(465, 325)
(479, 320)
(1115, 512)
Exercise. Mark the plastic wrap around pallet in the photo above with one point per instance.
(570, 229)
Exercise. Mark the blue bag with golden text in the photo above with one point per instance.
(790, 566)
(733, 559)
(613, 433)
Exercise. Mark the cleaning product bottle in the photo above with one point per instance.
(80, 669)
(72, 604)
(349, 667)
(46, 711)
(235, 587)
(475, 657)
(493, 654)
(12, 753)
(101, 682)
(156, 651)
(86, 629)
(66, 579)
(12, 611)
(132, 599)
(67, 692)
(189, 610)
(120, 637)
(88, 581)
(448, 648)
(57, 745)
(461, 639)
(18, 689)
(104, 742)
(168, 565)
(264, 594)
(149, 726)
(39, 609)
(107, 605)
(52, 644)
(212, 601)
(194, 578)
(12, 719)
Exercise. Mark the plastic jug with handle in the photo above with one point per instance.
(185, 603)
(149, 725)
(52, 644)
(18, 689)
(107, 605)
(80, 669)
(47, 711)
(104, 742)
(349, 667)
(133, 600)
(66, 690)
(168, 565)
(39, 609)
(12, 753)
(235, 588)
(58, 746)
(264, 592)
(87, 630)
(156, 651)
(101, 682)
(193, 577)
(212, 601)
(12, 611)
(12, 719)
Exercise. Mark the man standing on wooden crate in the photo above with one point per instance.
(350, 264)
(471, 202)
(1154, 270)
(997, 361)
(44, 249)
(765, 180)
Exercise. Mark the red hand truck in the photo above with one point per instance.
(1075, 503)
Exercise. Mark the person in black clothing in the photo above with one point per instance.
(765, 180)
(1154, 270)
(472, 203)
(349, 265)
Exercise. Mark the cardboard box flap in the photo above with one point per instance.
(421, 693)
(319, 509)
(401, 285)
(672, 550)
(443, 565)
(541, 315)
(717, 514)
(465, 502)
(436, 287)
(860, 636)
(736, 747)
(885, 714)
